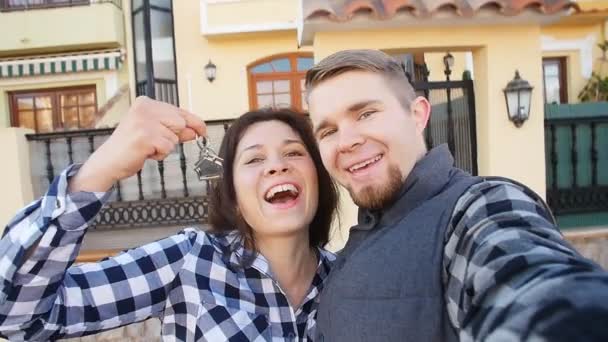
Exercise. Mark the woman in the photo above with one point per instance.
(255, 277)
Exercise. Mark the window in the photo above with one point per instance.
(56, 109)
(555, 88)
(279, 81)
(26, 4)
(153, 44)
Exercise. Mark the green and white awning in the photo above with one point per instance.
(50, 65)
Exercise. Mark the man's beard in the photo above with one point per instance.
(382, 195)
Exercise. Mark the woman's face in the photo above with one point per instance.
(275, 180)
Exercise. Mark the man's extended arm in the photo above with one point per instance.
(509, 274)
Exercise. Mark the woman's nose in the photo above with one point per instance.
(278, 166)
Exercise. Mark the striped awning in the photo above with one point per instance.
(61, 64)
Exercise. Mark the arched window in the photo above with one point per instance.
(279, 81)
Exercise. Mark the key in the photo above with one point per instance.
(209, 164)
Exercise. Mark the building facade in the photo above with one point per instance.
(69, 70)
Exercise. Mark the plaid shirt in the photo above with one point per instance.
(192, 281)
(509, 275)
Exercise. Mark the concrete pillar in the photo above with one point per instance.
(503, 149)
(15, 177)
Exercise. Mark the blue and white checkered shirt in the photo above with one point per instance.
(192, 281)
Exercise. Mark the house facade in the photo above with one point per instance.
(70, 69)
(77, 67)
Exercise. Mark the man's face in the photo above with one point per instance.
(368, 141)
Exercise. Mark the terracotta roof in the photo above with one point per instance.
(344, 10)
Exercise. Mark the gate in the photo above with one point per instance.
(452, 120)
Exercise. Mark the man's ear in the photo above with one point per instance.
(420, 110)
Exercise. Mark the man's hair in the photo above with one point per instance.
(374, 61)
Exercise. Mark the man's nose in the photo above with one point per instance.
(349, 139)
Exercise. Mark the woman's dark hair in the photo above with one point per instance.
(223, 213)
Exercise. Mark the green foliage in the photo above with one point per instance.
(596, 88)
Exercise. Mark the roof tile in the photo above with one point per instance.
(344, 10)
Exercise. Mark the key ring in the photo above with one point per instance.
(209, 164)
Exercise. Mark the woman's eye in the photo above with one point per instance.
(294, 154)
(254, 160)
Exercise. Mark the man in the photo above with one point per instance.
(437, 255)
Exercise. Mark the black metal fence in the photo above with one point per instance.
(577, 164)
(452, 119)
(162, 193)
(164, 90)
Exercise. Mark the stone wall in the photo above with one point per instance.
(147, 331)
(593, 244)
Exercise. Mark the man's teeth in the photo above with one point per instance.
(280, 188)
(364, 164)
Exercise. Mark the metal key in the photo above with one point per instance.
(209, 164)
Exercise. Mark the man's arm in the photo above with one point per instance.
(510, 275)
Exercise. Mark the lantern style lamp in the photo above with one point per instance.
(518, 95)
(210, 71)
(448, 63)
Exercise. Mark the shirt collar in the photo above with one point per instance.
(232, 247)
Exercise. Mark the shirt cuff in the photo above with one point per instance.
(76, 210)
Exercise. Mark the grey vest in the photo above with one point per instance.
(386, 284)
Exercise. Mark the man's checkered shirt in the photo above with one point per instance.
(192, 281)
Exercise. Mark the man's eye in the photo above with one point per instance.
(366, 114)
(327, 133)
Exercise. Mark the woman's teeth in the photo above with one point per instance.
(288, 189)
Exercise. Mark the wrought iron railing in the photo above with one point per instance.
(23, 5)
(577, 164)
(452, 120)
(164, 90)
(163, 193)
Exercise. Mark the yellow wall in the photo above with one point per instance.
(434, 61)
(116, 112)
(16, 179)
(575, 79)
(227, 96)
(503, 149)
(253, 12)
(78, 27)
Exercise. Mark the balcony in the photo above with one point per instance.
(162, 194)
(225, 17)
(65, 26)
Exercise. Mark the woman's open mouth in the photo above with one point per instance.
(282, 196)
